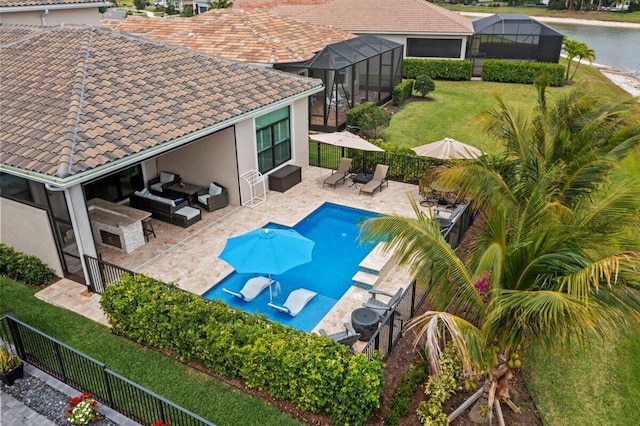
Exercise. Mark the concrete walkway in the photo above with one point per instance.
(15, 413)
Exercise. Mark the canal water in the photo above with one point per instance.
(614, 46)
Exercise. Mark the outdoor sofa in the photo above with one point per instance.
(165, 209)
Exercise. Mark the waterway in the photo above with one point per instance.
(614, 46)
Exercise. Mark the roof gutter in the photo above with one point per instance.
(65, 183)
(42, 7)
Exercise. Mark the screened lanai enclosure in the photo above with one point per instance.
(514, 36)
(354, 71)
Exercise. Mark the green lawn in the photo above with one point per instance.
(200, 393)
(597, 386)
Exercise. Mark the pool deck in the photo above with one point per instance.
(189, 257)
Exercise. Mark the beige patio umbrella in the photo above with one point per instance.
(447, 149)
(345, 140)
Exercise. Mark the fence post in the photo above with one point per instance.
(15, 334)
(60, 362)
(392, 320)
(107, 385)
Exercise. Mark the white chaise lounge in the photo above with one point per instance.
(296, 301)
(252, 288)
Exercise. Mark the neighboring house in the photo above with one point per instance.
(51, 12)
(426, 30)
(91, 113)
(252, 36)
(353, 68)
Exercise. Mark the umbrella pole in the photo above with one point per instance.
(270, 292)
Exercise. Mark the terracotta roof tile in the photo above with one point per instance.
(75, 98)
(374, 16)
(246, 36)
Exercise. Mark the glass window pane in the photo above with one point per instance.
(265, 161)
(263, 138)
(282, 153)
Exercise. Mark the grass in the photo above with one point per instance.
(596, 386)
(632, 17)
(197, 392)
(452, 109)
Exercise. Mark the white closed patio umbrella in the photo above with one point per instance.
(448, 149)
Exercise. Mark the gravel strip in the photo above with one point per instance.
(45, 400)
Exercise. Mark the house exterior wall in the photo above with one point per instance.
(213, 158)
(28, 230)
(300, 132)
(89, 16)
(402, 39)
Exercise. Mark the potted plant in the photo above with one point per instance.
(11, 366)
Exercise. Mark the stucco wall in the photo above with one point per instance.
(89, 16)
(28, 230)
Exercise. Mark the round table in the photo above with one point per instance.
(365, 322)
(362, 178)
(444, 222)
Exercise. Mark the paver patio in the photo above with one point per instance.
(189, 257)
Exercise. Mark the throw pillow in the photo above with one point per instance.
(166, 177)
(214, 189)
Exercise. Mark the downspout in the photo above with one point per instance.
(74, 224)
(45, 13)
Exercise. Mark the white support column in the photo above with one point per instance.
(81, 224)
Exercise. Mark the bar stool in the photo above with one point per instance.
(147, 229)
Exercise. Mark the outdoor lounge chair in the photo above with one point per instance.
(341, 174)
(378, 181)
(251, 289)
(296, 301)
(380, 307)
(347, 337)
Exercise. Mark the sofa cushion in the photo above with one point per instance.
(167, 177)
(214, 189)
(188, 212)
(156, 187)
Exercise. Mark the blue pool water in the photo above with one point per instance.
(335, 259)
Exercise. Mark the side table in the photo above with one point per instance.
(365, 322)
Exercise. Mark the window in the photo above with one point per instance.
(433, 48)
(273, 138)
(117, 186)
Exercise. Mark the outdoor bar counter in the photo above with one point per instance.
(116, 226)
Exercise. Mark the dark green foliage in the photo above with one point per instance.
(220, 4)
(437, 69)
(140, 4)
(309, 370)
(521, 72)
(403, 393)
(424, 84)
(402, 91)
(370, 118)
(23, 267)
(187, 11)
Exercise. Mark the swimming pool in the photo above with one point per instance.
(335, 259)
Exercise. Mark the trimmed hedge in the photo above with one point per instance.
(311, 371)
(521, 72)
(24, 267)
(402, 91)
(437, 69)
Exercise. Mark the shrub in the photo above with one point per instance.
(437, 69)
(521, 72)
(402, 394)
(370, 118)
(402, 91)
(23, 267)
(309, 370)
(424, 84)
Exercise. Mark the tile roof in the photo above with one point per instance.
(23, 3)
(248, 36)
(375, 16)
(77, 98)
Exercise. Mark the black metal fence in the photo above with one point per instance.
(86, 374)
(102, 273)
(402, 168)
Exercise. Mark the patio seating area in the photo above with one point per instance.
(189, 256)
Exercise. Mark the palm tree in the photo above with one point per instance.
(556, 256)
(576, 48)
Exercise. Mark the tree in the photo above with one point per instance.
(424, 84)
(220, 4)
(556, 258)
(140, 4)
(576, 48)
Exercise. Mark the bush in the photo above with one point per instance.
(424, 84)
(370, 118)
(521, 72)
(437, 69)
(403, 393)
(309, 370)
(402, 91)
(23, 267)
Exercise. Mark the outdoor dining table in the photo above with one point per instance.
(365, 322)
(361, 179)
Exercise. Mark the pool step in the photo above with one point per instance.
(373, 268)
